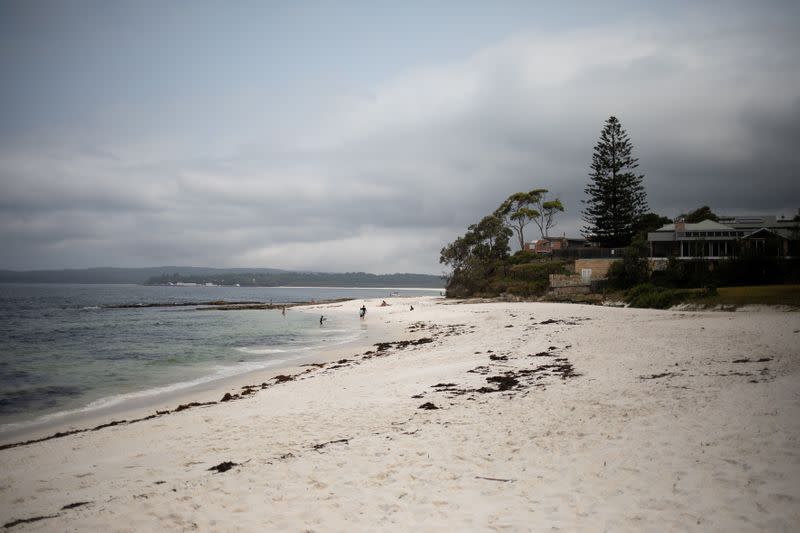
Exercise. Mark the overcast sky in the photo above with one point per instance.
(364, 136)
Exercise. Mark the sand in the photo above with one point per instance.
(548, 416)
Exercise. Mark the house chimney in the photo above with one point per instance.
(680, 224)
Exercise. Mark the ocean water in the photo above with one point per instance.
(64, 348)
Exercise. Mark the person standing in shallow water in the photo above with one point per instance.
(363, 311)
(322, 319)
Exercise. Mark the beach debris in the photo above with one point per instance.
(762, 360)
(281, 378)
(228, 397)
(109, 424)
(9, 525)
(74, 505)
(383, 346)
(223, 466)
(185, 406)
(659, 376)
(498, 357)
(322, 445)
(496, 479)
(428, 406)
(13, 523)
(505, 382)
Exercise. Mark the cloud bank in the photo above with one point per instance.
(381, 178)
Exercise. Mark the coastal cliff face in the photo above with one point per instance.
(459, 415)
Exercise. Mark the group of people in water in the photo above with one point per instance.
(362, 312)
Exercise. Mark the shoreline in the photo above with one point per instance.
(140, 404)
(474, 416)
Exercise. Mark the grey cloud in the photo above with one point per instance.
(383, 183)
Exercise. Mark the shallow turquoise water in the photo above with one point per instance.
(62, 348)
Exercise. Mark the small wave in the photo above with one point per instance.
(220, 372)
(260, 350)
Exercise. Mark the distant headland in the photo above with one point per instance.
(244, 277)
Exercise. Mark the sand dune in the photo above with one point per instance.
(539, 416)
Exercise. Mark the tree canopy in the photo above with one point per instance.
(517, 211)
(475, 255)
(547, 210)
(700, 214)
(616, 197)
(650, 222)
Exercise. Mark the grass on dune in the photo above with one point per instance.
(754, 295)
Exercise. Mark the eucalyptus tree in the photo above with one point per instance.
(518, 210)
(547, 209)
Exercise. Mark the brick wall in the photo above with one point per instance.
(599, 267)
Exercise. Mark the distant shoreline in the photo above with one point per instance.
(252, 277)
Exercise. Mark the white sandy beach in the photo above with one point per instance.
(610, 420)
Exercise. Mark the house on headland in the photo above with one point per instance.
(726, 238)
(550, 244)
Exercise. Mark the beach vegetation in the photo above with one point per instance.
(616, 199)
(750, 267)
(476, 256)
(633, 269)
(788, 295)
(647, 295)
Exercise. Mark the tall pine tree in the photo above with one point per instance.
(616, 197)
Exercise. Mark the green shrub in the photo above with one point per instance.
(632, 269)
(522, 256)
(649, 296)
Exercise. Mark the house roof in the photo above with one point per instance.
(782, 233)
(705, 225)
